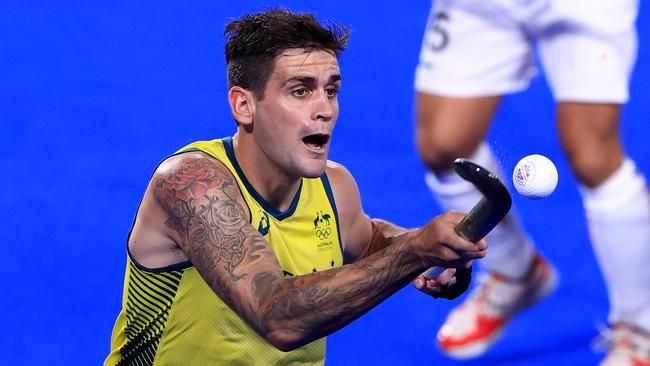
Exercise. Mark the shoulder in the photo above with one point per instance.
(338, 175)
(356, 228)
(192, 165)
(190, 175)
(190, 161)
(344, 187)
(345, 191)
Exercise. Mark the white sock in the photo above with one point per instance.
(618, 216)
(510, 251)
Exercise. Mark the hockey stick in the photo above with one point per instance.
(480, 220)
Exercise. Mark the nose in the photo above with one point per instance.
(324, 107)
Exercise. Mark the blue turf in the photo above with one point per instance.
(93, 95)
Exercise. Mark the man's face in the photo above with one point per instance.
(293, 123)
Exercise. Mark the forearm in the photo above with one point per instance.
(302, 309)
(209, 222)
(383, 235)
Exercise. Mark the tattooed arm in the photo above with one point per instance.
(206, 217)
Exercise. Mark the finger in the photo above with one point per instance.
(458, 242)
(460, 245)
(453, 216)
(475, 255)
(419, 282)
(447, 255)
(432, 288)
(446, 276)
(440, 280)
(482, 244)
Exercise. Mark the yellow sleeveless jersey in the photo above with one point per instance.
(171, 317)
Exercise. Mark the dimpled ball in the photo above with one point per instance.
(535, 176)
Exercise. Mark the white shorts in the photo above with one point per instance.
(473, 48)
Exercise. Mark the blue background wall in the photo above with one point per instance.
(94, 94)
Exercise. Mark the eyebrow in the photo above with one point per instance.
(312, 80)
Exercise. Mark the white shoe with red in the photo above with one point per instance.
(474, 326)
(627, 346)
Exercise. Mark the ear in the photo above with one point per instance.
(242, 104)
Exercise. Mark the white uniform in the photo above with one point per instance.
(477, 48)
(587, 48)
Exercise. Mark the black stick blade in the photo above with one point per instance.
(491, 209)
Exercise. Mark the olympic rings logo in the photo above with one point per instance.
(323, 233)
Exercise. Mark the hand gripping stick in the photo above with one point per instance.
(480, 220)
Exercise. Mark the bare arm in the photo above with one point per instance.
(382, 234)
(208, 220)
(363, 236)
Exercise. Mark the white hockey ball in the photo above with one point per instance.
(535, 176)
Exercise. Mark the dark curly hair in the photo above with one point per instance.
(255, 40)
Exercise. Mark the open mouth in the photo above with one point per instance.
(316, 140)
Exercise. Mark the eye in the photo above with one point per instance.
(331, 92)
(300, 92)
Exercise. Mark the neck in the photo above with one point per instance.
(275, 186)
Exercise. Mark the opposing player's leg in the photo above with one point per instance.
(617, 205)
(589, 70)
(468, 59)
(448, 128)
(516, 276)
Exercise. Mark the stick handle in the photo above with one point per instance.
(487, 213)
(433, 272)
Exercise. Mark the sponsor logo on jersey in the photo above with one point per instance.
(265, 224)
